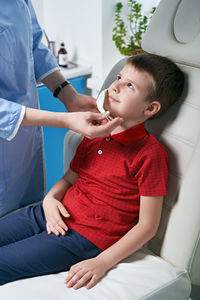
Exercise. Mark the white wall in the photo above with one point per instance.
(86, 28)
(78, 24)
(39, 9)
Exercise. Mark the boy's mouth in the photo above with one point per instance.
(111, 99)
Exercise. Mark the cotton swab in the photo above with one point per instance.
(100, 103)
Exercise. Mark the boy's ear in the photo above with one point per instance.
(152, 108)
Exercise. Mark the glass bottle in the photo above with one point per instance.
(62, 56)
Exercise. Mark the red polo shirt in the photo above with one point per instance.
(113, 173)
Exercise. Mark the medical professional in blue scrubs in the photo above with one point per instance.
(24, 60)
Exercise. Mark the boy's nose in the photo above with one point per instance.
(116, 88)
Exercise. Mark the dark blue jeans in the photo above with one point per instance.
(27, 250)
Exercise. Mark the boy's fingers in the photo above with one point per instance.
(55, 231)
(82, 281)
(58, 230)
(59, 224)
(48, 229)
(63, 211)
(62, 224)
(61, 230)
(73, 270)
(92, 282)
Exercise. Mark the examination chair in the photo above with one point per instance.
(168, 267)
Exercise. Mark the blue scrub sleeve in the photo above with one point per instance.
(44, 60)
(11, 116)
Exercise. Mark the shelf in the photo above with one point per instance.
(76, 70)
(73, 71)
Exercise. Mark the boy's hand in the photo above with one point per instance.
(54, 210)
(86, 272)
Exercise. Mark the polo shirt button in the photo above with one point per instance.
(100, 152)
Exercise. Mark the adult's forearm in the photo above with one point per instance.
(53, 80)
(36, 117)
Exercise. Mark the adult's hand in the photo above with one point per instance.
(81, 102)
(91, 124)
(72, 100)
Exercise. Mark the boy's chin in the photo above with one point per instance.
(112, 113)
(108, 108)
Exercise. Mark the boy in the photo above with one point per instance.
(109, 203)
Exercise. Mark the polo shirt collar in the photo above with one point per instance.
(130, 135)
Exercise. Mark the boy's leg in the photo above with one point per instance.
(22, 224)
(43, 254)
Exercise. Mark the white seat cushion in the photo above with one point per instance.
(141, 276)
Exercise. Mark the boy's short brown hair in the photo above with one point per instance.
(167, 77)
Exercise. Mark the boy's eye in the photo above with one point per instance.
(130, 85)
(118, 77)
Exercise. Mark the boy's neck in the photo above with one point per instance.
(124, 126)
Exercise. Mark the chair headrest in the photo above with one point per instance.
(174, 31)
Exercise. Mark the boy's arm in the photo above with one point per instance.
(53, 208)
(140, 234)
(92, 270)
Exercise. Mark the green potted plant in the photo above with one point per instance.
(128, 38)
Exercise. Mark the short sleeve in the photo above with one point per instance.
(78, 159)
(152, 174)
(11, 116)
(44, 60)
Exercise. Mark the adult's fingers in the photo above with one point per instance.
(103, 130)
